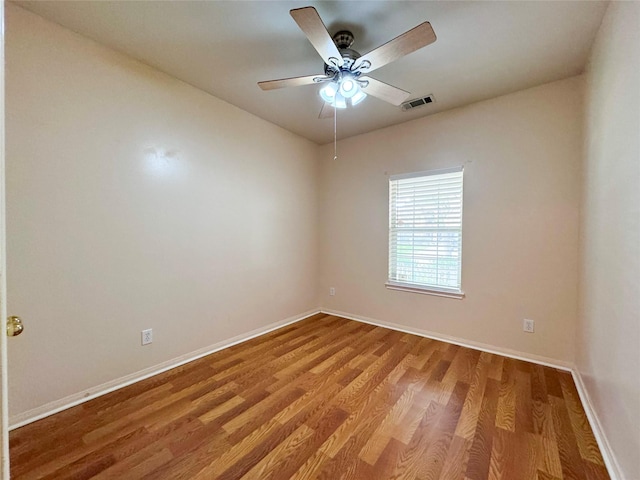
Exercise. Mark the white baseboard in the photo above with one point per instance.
(56, 406)
(51, 408)
(527, 357)
(605, 448)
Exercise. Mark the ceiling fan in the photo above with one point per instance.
(344, 68)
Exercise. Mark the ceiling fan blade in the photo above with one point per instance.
(326, 111)
(311, 24)
(292, 82)
(408, 42)
(383, 91)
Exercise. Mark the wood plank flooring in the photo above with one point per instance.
(326, 398)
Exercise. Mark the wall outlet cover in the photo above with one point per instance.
(528, 325)
(147, 336)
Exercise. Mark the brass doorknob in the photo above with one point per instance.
(14, 326)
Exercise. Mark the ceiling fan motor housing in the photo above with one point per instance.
(343, 40)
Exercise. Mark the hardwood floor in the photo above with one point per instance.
(326, 398)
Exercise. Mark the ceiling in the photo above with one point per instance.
(483, 50)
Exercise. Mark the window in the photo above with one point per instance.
(425, 232)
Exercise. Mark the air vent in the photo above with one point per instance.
(418, 102)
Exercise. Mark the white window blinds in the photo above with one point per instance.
(425, 230)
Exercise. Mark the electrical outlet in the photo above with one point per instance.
(147, 336)
(528, 325)
(332, 291)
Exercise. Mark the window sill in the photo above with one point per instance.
(424, 290)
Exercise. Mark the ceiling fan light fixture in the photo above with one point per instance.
(348, 87)
(343, 92)
(358, 97)
(339, 101)
(328, 92)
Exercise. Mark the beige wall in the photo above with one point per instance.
(609, 325)
(521, 155)
(136, 201)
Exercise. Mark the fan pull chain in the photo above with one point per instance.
(335, 133)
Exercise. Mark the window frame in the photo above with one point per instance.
(438, 290)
